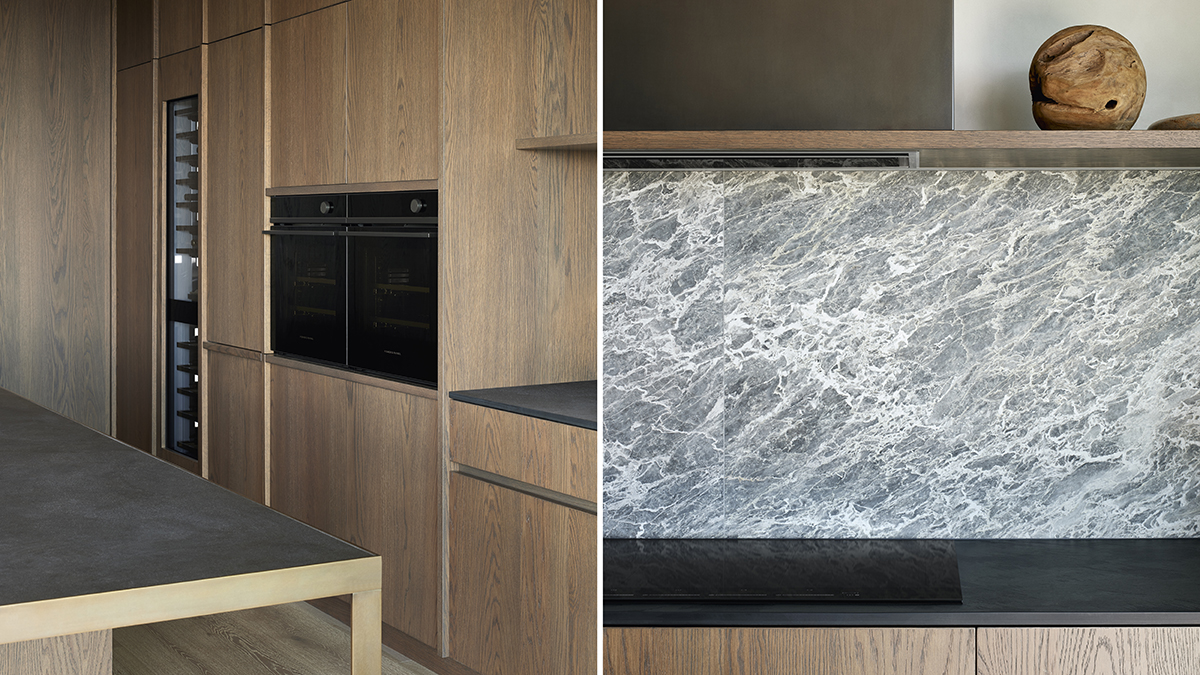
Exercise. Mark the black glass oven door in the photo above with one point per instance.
(393, 313)
(308, 293)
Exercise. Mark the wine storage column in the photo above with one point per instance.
(183, 278)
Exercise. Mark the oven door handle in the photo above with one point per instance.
(410, 235)
(303, 233)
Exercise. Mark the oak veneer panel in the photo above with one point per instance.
(281, 10)
(665, 651)
(518, 291)
(235, 425)
(1088, 651)
(522, 575)
(135, 32)
(227, 18)
(394, 87)
(134, 373)
(78, 654)
(308, 99)
(179, 75)
(852, 651)
(312, 449)
(236, 210)
(564, 67)
(179, 24)
(398, 495)
(55, 206)
(555, 456)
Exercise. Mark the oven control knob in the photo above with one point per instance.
(327, 207)
(418, 205)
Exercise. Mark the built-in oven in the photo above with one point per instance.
(354, 281)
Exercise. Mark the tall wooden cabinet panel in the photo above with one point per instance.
(235, 424)
(398, 483)
(312, 449)
(522, 582)
(235, 216)
(852, 651)
(179, 75)
(519, 230)
(308, 99)
(227, 18)
(179, 25)
(1088, 651)
(394, 88)
(134, 283)
(281, 10)
(135, 32)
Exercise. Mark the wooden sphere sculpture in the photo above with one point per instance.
(1087, 77)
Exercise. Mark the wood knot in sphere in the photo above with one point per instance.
(1087, 77)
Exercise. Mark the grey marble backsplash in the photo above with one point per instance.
(895, 354)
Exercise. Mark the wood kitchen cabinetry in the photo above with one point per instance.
(760, 651)
(179, 25)
(362, 462)
(355, 94)
(236, 213)
(236, 422)
(522, 544)
(227, 18)
(1088, 651)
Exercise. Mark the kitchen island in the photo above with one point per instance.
(96, 535)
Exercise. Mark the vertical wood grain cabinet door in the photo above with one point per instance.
(522, 582)
(227, 18)
(398, 493)
(1089, 651)
(393, 89)
(665, 651)
(235, 214)
(236, 437)
(179, 25)
(308, 99)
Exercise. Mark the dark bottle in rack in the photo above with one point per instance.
(183, 281)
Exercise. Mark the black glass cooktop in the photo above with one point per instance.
(781, 570)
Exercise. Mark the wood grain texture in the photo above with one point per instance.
(564, 67)
(385, 186)
(666, 651)
(294, 638)
(78, 654)
(227, 18)
(312, 449)
(281, 10)
(135, 32)
(136, 313)
(179, 26)
(397, 497)
(394, 86)
(518, 268)
(351, 376)
(522, 583)
(55, 209)
(179, 75)
(547, 454)
(852, 651)
(1088, 651)
(308, 99)
(235, 425)
(236, 210)
(585, 141)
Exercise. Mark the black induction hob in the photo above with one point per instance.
(781, 570)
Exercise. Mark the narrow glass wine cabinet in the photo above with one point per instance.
(183, 278)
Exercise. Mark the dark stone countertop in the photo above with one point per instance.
(1014, 582)
(572, 403)
(82, 513)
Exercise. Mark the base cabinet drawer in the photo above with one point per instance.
(1089, 651)
(812, 651)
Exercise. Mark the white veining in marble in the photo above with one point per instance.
(904, 354)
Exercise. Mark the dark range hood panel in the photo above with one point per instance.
(781, 570)
(778, 64)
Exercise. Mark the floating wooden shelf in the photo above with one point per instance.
(948, 148)
(565, 142)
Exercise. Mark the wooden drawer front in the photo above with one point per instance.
(768, 651)
(522, 583)
(665, 651)
(1089, 651)
(852, 651)
(554, 456)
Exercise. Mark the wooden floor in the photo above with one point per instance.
(295, 639)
